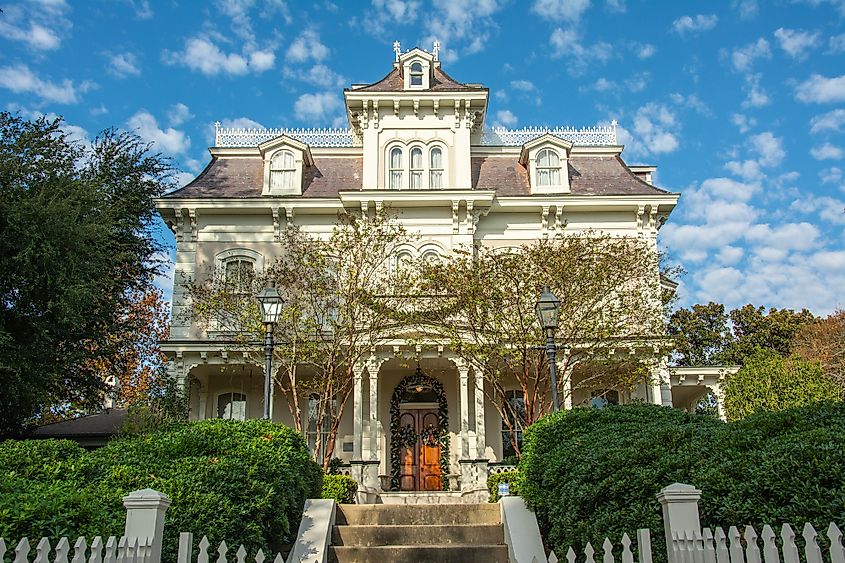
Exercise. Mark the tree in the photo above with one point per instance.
(700, 334)
(75, 243)
(769, 382)
(755, 329)
(610, 325)
(823, 341)
(337, 308)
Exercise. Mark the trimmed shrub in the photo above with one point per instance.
(594, 473)
(239, 481)
(511, 477)
(341, 488)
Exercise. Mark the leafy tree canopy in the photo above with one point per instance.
(823, 341)
(75, 244)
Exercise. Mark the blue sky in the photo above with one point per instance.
(741, 104)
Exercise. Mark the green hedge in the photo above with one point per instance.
(511, 477)
(242, 481)
(594, 473)
(341, 488)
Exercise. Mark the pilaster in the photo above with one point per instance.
(480, 430)
(357, 410)
(463, 398)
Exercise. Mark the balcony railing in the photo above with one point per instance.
(495, 136)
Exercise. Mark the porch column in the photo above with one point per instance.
(357, 410)
(480, 431)
(463, 398)
(203, 409)
(373, 367)
(566, 383)
(657, 376)
(719, 392)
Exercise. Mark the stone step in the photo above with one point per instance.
(386, 535)
(417, 515)
(420, 554)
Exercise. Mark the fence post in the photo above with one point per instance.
(680, 512)
(145, 518)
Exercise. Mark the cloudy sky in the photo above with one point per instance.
(740, 104)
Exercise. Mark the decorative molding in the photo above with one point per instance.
(180, 225)
(252, 137)
(601, 136)
(544, 220)
(559, 226)
(289, 211)
(468, 219)
(192, 215)
(277, 224)
(455, 224)
(396, 108)
(457, 114)
(476, 215)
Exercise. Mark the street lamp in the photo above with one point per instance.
(547, 308)
(271, 307)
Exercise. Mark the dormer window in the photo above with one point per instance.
(435, 169)
(282, 170)
(416, 168)
(416, 74)
(395, 168)
(548, 168)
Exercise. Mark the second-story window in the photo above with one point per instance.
(435, 169)
(416, 74)
(416, 168)
(282, 170)
(239, 275)
(396, 169)
(548, 168)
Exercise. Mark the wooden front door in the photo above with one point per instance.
(420, 462)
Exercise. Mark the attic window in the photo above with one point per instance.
(282, 170)
(548, 168)
(416, 74)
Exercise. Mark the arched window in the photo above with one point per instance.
(403, 260)
(435, 168)
(231, 406)
(548, 168)
(239, 274)
(513, 423)
(431, 257)
(282, 170)
(395, 175)
(416, 74)
(416, 168)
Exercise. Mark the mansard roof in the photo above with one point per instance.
(440, 82)
(243, 177)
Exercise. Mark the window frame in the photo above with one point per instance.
(547, 171)
(432, 169)
(420, 172)
(283, 154)
(416, 73)
(232, 401)
(397, 172)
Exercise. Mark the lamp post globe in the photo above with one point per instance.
(547, 308)
(270, 301)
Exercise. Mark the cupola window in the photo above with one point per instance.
(548, 168)
(416, 74)
(416, 168)
(396, 169)
(436, 169)
(282, 170)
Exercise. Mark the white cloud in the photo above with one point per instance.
(123, 64)
(693, 102)
(796, 43)
(567, 43)
(693, 24)
(316, 107)
(826, 151)
(20, 79)
(560, 10)
(743, 122)
(744, 57)
(790, 236)
(829, 209)
(170, 140)
(821, 89)
(39, 25)
(319, 75)
(523, 85)
(461, 26)
(836, 43)
(178, 114)
(747, 9)
(756, 96)
(201, 54)
(831, 121)
(730, 255)
(767, 151)
(656, 125)
(832, 175)
(398, 10)
(241, 123)
(307, 47)
(645, 50)
(506, 118)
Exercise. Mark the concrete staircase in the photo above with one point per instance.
(444, 533)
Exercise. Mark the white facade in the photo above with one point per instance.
(418, 144)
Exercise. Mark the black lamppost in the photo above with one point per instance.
(271, 306)
(547, 308)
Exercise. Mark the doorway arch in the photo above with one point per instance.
(399, 437)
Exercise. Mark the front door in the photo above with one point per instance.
(420, 451)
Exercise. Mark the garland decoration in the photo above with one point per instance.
(431, 436)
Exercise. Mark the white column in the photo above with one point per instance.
(719, 393)
(480, 431)
(145, 517)
(566, 385)
(357, 410)
(659, 377)
(203, 410)
(373, 369)
(463, 398)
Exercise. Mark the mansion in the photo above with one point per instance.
(418, 144)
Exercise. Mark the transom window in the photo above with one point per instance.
(548, 168)
(396, 168)
(425, 168)
(282, 170)
(416, 74)
(231, 406)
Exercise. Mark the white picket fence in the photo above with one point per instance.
(589, 555)
(114, 550)
(186, 543)
(692, 546)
